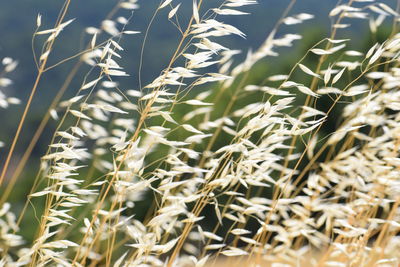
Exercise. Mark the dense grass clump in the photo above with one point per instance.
(216, 161)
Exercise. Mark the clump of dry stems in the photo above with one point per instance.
(165, 176)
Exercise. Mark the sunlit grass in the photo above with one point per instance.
(203, 167)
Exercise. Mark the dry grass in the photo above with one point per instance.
(115, 148)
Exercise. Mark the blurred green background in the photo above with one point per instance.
(18, 22)
(16, 31)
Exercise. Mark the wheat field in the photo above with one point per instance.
(203, 166)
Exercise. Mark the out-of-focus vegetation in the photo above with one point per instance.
(18, 45)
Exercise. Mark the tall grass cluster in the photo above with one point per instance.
(171, 174)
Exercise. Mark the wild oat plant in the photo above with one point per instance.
(168, 174)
